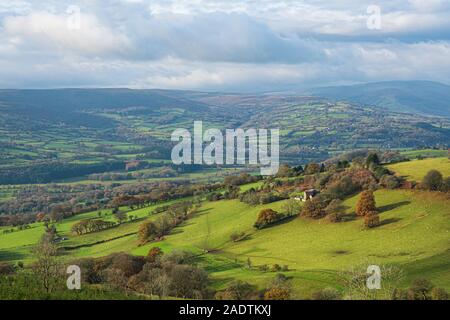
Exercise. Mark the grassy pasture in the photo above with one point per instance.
(417, 169)
(428, 153)
(414, 235)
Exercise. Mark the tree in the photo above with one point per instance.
(341, 188)
(335, 210)
(446, 185)
(432, 180)
(292, 207)
(314, 208)
(265, 217)
(154, 253)
(354, 282)
(237, 290)
(147, 231)
(312, 168)
(120, 216)
(298, 170)
(389, 181)
(439, 294)
(371, 219)
(46, 268)
(40, 217)
(420, 290)
(372, 160)
(188, 282)
(366, 203)
(285, 171)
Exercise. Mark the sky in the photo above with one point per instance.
(221, 45)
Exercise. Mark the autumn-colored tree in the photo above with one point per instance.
(371, 219)
(432, 180)
(154, 253)
(146, 232)
(285, 171)
(366, 203)
(314, 208)
(265, 217)
(277, 294)
(312, 168)
(40, 217)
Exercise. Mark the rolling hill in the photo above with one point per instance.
(413, 236)
(422, 97)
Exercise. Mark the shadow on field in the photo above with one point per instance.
(8, 255)
(384, 222)
(189, 221)
(393, 206)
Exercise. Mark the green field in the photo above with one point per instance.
(427, 153)
(417, 169)
(414, 235)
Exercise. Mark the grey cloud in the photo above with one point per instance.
(222, 45)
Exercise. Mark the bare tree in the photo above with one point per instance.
(354, 281)
(46, 268)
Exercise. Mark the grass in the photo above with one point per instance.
(18, 245)
(417, 169)
(414, 235)
(424, 153)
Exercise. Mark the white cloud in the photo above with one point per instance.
(221, 44)
(51, 31)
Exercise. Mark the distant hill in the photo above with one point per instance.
(423, 97)
(75, 105)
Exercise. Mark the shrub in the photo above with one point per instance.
(292, 207)
(237, 236)
(341, 188)
(399, 294)
(276, 268)
(420, 290)
(334, 218)
(237, 290)
(439, 294)
(380, 171)
(154, 253)
(326, 294)
(446, 185)
(6, 268)
(263, 268)
(285, 171)
(366, 203)
(335, 210)
(277, 294)
(389, 182)
(432, 180)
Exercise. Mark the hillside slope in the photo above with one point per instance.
(423, 97)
